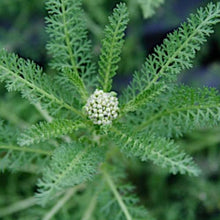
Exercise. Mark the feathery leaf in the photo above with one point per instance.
(68, 43)
(160, 151)
(174, 55)
(184, 110)
(28, 78)
(71, 164)
(112, 46)
(44, 131)
(13, 157)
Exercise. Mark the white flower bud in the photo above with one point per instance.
(102, 107)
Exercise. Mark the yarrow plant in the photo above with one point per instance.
(80, 147)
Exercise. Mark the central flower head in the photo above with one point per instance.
(102, 107)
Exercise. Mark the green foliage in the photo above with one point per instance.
(118, 197)
(159, 150)
(28, 78)
(21, 158)
(68, 43)
(181, 111)
(149, 6)
(153, 111)
(174, 55)
(112, 46)
(71, 164)
(45, 131)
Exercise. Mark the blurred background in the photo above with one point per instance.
(169, 197)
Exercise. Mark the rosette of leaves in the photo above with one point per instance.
(152, 111)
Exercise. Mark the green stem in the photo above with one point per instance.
(26, 149)
(43, 112)
(18, 206)
(117, 195)
(69, 193)
(91, 208)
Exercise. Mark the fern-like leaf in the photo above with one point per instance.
(174, 55)
(71, 164)
(160, 151)
(186, 109)
(112, 46)
(13, 157)
(45, 131)
(149, 7)
(28, 78)
(68, 43)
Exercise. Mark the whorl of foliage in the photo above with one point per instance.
(160, 151)
(44, 131)
(149, 6)
(71, 164)
(112, 46)
(29, 79)
(185, 109)
(174, 55)
(68, 43)
(160, 110)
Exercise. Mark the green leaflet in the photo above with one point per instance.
(168, 60)
(185, 109)
(68, 43)
(160, 151)
(149, 6)
(44, 131)
(16, 158)
(112, 46)
(71, 164)
(29, 79)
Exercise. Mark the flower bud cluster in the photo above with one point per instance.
(102, 107)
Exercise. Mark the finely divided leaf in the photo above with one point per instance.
(168, 60)
(112, 46)
(29, 79)
(184, 110)
(16, 158)
(68, 43)
(44, 131)
(71, 164)
(160, 151)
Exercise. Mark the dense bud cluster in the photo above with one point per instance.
(102, 107)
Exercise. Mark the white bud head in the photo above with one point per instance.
(102, 107)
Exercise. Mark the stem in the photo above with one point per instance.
(69, 193)
(18, 206)
(26, 149)
(117, 195)
(43, 112)
(90, 208)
